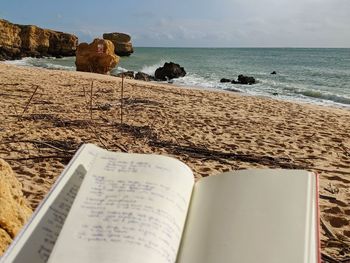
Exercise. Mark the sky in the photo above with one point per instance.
(193, 23)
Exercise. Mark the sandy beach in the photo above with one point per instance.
(47, 114)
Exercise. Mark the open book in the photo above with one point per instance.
(118, 207)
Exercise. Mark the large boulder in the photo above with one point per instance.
(19, 41)
(14, 210)
(97, 57)
(122, 43)
(169, 71)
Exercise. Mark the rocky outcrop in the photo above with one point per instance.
(169, 71)
(137, 76)
(127, 75)
(97, 57)
(19, 41)
(122, 43)
(245, 80)
(143, 76)
(242, 79)
(14, 211)
(224, 80)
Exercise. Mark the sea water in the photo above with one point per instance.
(313, 75)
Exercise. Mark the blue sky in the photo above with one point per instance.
(194, 23)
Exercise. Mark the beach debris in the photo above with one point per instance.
(97, 57)
(169, 71)
(18, 41)
(122, 43)
(273, 73)
(14, 210)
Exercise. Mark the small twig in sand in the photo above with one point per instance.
(48, 145)
(84, 93)
(92, 84)
(38, 157)
(328, 259)
(93, 129)
(121, 101)
(327, 229)
(31, 97)
(14, 107)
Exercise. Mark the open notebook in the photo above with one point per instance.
(118, 207)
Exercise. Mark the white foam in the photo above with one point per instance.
(150, 69)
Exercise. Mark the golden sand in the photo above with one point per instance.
(210, 131)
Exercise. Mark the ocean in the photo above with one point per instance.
(311, 75)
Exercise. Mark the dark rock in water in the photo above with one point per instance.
(275, 94)
(169, 71)
(223, 80)
(235, 82)
(59, 56)
(127, 75)
(143, 76)
(246, 80)
(273, 73)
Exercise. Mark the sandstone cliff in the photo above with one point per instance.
(14, 211)
(97, 57)
(19, 41)
(122, 43)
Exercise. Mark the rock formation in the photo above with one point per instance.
(97, 57)
(224, 80)
(242, 79)
(14, 211)
(137, 76)
(143, 76)
(122, 43)
(246, 80)
(169, 71)
(127, 75)
(19, 41)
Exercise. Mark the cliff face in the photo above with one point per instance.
(17, 41)
(14, 210)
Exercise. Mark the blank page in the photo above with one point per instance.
(252, 216)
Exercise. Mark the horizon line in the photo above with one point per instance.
(250, 47)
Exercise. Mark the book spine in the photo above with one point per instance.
(38, 209)
(318, 230)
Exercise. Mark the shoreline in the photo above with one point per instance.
(193, 125)
(289, 98)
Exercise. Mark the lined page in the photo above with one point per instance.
(130, 208)
(252, 216)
